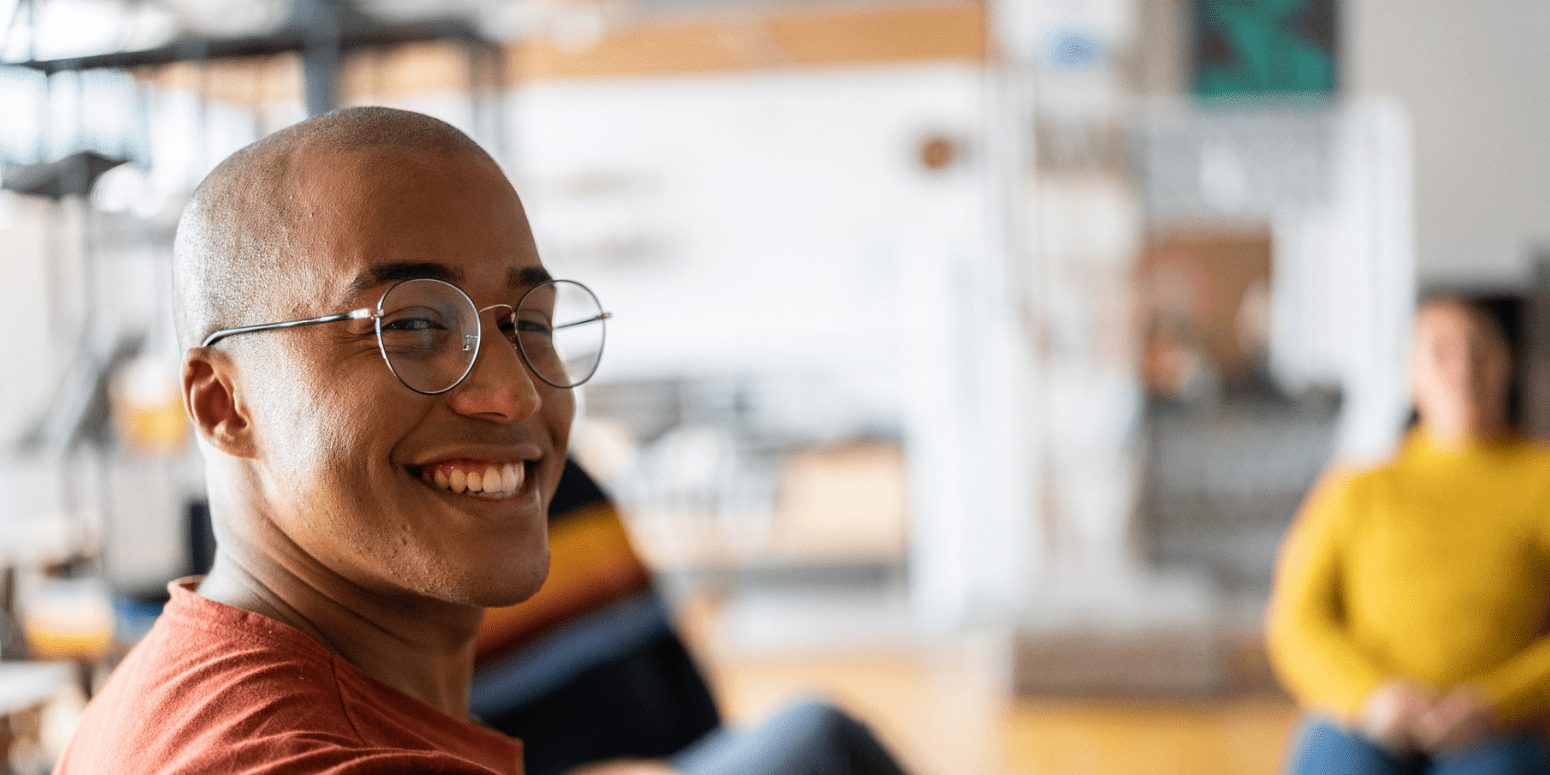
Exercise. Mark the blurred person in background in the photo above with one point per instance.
(1409, 610)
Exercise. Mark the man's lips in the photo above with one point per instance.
(484, 478)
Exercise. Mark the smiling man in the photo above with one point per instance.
(370, 367)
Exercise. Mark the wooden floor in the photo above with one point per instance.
(944, 710)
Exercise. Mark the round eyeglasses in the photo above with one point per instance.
(429, 332)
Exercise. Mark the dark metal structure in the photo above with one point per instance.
(322, 32)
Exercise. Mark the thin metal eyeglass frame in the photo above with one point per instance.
(376, 315)
(602, 316)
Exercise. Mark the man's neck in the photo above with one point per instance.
(420, 646)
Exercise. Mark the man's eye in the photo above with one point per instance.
(413, 324)
(530, 328)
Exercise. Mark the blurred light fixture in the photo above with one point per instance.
(230, 18)
(65, 28)
(148, 25)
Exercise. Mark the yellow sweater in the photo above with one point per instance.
(1434, 567)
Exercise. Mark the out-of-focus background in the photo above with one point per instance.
(968, 361)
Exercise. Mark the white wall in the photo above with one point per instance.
(1475, 78)
(766, 206)
(1344, 281)
(781, 223)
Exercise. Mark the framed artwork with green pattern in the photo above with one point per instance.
(1265, 48)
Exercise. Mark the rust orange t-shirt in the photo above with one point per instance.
(215, 689)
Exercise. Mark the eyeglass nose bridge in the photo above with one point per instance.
(471, 341)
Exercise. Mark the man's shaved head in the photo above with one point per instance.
(243, 234)
(331, 480)
(320, 461)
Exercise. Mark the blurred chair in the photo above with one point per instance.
(590, 668)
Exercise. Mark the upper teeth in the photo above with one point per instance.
(502, 478)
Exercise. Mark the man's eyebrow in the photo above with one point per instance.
(526, 277)
(394, 271)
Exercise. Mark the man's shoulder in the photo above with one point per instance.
(226, 657)
(214, 689)
(198, 683)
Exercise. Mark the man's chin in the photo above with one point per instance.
(506, 589)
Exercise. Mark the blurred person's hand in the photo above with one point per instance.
(1461, 718)
(1392, 715)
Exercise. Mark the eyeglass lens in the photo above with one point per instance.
(429, 331)
(560, 329)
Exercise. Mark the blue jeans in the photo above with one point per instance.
(808, 738)
(1323, 748)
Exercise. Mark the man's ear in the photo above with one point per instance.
(211, 401)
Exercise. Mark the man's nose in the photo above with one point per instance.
(500, 387)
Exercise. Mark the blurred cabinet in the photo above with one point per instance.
(1221, 483)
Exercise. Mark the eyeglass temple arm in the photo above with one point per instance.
(357, 314)
(593, 319)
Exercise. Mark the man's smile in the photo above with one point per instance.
(483, 478)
